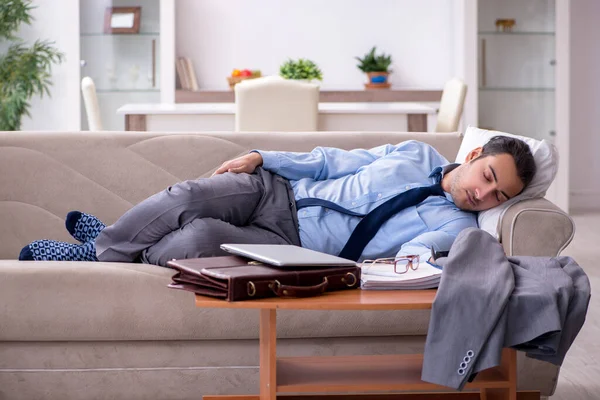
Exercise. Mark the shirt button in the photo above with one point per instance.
(379, 195)
(353, 203)
(407, 187)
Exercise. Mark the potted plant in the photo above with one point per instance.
(25, 70)
(377, 68)
(301, 69)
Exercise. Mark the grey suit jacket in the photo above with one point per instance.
(487, 301)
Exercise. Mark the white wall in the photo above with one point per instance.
(57, 20)
(261, 34)
(585, 104)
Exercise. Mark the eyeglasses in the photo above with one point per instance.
(401, 264)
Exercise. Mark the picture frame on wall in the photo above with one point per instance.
(122, 19)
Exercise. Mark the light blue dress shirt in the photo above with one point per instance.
(360, 180)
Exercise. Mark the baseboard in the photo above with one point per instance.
(581, 200)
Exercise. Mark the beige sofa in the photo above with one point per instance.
(115, 331)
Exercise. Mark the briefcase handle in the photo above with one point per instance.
(298, 291)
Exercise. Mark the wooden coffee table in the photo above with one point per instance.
(359, 374)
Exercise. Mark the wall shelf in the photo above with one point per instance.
(515, 89)
(149, 90)
(516, 33)
(99, 34)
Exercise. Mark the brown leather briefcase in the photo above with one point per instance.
(236, 278)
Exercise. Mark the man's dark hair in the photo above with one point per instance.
(520, 152)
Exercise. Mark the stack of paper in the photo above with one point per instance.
(382, 276)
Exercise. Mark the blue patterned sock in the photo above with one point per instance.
(52, 250)
(83, 227)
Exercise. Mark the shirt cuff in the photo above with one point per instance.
(271, 161)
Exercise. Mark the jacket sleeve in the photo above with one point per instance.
(327, 162)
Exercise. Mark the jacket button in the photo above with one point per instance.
(461, 371)
(470, 353)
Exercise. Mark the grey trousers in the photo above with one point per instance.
(193, 218)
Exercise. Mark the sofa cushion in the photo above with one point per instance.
(53, 300)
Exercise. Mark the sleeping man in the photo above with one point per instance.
(388, 201)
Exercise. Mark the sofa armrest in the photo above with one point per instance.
(535, 227)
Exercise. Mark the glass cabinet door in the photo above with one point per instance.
(120, 52)
(517, 67)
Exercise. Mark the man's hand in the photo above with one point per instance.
(247, 164)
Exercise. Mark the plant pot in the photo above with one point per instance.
(313, 81)
(377, 80)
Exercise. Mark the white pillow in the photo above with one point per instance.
(546, 160)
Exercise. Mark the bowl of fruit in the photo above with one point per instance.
(238, 75)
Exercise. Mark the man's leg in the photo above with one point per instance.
(229, 197)
(202, 238)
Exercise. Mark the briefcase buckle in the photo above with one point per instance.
(251, 289)
(274, 286)
(353, 279)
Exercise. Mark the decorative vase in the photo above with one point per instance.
(111, 75)
(378, 80)
(134, 74)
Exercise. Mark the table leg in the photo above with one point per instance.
(417, 122)
(268, 354)
(508, 367)
(135, 122)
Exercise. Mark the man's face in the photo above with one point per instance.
(480, 184)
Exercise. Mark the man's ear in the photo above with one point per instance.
(473, 154)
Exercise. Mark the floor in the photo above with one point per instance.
(580, 374)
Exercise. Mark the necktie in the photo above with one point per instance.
(371, 222)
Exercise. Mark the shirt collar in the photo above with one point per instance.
(438, 174)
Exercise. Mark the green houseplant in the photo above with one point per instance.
(377, 68)
(24, 70)
(302, 69)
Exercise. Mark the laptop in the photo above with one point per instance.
(286, 255)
